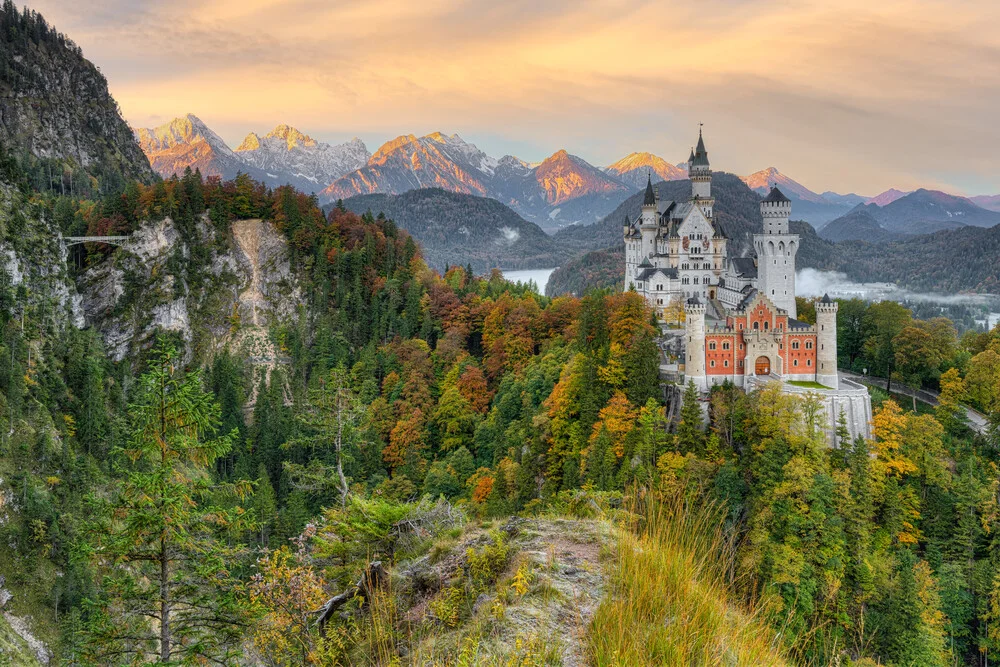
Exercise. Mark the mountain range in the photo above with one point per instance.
(282, 156)
(918, 212)
(562, 190)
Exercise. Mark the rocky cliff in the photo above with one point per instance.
(209, 290)
(55, 105)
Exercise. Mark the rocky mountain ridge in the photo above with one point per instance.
(282, 156)
(635, 167)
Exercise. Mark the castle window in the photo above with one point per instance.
(696, 280)
(795, 345)
(809, 362)
(639, 285)
(725, 346)
(795, 362)
(767, 325)
(756, 325)
(809, 345)
(713, 363)
(711, 345)
(726, 363)
(685, 280)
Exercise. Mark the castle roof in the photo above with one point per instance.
(744, 267)
(700, 158)
(646, 274)
(694, 301)
(826, 299)
(650, 197)
(775, 196)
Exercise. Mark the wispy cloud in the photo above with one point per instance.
(852, 95)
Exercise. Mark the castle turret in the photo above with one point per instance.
(648, 224)
(700, 173)
(694, 347)
(776, 249)
(826, 339)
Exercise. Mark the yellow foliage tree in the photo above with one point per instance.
(888, 427)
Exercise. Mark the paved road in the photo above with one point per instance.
(977, 420)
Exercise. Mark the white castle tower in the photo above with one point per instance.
(776, 250)
(649, 225)
(694, 346)
(700, 173)
(826, 339)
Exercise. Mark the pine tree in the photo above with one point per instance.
(690, 429)
(167, 590)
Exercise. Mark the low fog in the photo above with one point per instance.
(810, 282)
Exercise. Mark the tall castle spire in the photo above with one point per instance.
(700, 174)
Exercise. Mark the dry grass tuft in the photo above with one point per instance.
(671, 599)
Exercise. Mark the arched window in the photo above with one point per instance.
(795, 344)
(795, 362)
(756, 325)
(809, 345)
(767, 325)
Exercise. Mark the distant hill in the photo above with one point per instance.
(959, 260)
(989, 202)
(55, 109)
(919, 212)
(860, 225)
(559, 191)
(454, 228)
(635, 167)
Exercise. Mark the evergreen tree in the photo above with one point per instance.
(690, 429)
(168, 590)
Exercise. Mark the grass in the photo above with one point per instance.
(671, 602)
(808, 384)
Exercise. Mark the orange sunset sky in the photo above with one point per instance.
(849, 96)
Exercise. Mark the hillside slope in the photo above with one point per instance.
(55, 107)
(458, 229)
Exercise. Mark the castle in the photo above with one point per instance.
(740, 312)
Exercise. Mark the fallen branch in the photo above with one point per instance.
(374, 578)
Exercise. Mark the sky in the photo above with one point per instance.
(845, 95)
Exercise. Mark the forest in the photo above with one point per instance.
(179, 507)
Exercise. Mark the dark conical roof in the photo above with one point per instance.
(694, 301)
(700, 158)
(826, 299)
(775, 196)
(691, 158)
(650, 198)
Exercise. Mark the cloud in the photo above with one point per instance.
(852, 95)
